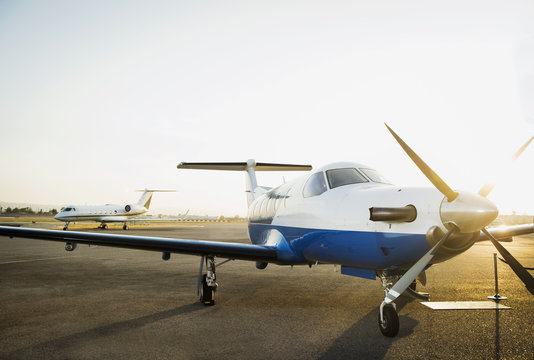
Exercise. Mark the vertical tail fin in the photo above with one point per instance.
(146, 197)
(251, 166)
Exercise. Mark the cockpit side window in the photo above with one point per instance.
(375, 176)
(340, 177)
(316, 185)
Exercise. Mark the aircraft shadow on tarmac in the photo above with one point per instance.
(50, 349)
(356, 342)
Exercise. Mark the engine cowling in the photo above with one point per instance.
(456, 244)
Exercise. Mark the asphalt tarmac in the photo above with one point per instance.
(102, 303)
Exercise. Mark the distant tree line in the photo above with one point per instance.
(26, 211)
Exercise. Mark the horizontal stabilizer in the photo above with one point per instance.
(242, 166)
(249, 167)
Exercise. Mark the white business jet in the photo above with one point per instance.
(109, 213)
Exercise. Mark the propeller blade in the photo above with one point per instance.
(526, 268)
(429, 173)
(521, 149)
(519, 270)
(487, 187)
(402, 284)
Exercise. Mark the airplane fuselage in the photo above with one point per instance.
(332, 224)
(100, 213)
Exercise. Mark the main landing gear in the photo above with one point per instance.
(207, 286)
(125, 226)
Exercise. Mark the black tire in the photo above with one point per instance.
(390, 326)
(207, 296)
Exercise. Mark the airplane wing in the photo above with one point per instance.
(118, 219)
(506, 232)
(195, 247)
(191, 247)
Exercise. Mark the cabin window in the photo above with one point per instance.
(316, 185)
(375, 176)
(340, 177)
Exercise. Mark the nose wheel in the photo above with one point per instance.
(388, 320)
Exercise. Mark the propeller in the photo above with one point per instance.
(462, 212)
(402, 284)
(519, 269)
(429, 173)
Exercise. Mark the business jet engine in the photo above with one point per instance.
(133, 208)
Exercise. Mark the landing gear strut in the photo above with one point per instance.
(66, 227)
(207, 286)
(388, 319)
(125, 226)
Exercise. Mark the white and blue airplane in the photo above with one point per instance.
(343, 213)
(109, 213)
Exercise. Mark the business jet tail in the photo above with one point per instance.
(146, 197)
(251, 166)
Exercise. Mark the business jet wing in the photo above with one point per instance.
(122, 219)
(184, 246)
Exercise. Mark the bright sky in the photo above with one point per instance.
(99, 98)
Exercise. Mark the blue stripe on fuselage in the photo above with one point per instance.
(372, 250)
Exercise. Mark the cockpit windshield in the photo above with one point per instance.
(315, 185)
(340, 177)
(67, 209)
(375, 176)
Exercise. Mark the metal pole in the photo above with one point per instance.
(496, 277)
(496, 297)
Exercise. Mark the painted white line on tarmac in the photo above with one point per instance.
(30, 260)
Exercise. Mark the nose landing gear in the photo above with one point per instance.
(388, 319)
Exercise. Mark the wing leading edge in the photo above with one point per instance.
(505, 232)
(183, 246)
